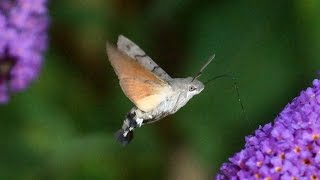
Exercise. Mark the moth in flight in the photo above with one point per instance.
(153, 92)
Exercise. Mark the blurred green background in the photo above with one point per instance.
(62, 126)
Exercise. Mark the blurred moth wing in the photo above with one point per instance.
(136, 53)
(144, 88)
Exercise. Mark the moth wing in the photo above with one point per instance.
(146, 95)
(135, 52)
(144, 88)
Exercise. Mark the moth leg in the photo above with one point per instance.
(139, 122)
(148, 121)
(176, 104)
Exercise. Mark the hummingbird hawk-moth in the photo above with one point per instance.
(153, 92)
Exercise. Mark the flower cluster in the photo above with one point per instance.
(287, 149)
(23, 39)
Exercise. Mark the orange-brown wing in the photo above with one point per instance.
(145, 89)
(145, 94)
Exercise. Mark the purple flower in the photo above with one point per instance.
(287, 149)
(23, 39)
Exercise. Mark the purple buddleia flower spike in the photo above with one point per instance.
(289, 148)
(23, 39)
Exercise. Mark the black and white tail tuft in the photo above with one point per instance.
(123, 137)
(125, 134)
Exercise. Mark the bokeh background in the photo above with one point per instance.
(62, 126)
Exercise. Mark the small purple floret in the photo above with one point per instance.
(289, 148)
(23, 39)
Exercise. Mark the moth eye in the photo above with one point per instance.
(192, 88)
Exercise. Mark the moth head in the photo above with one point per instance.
(187, 88)
(194, 86)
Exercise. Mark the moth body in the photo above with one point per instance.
(154, 93)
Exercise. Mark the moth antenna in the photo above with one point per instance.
(236, 87)
(203, 67)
